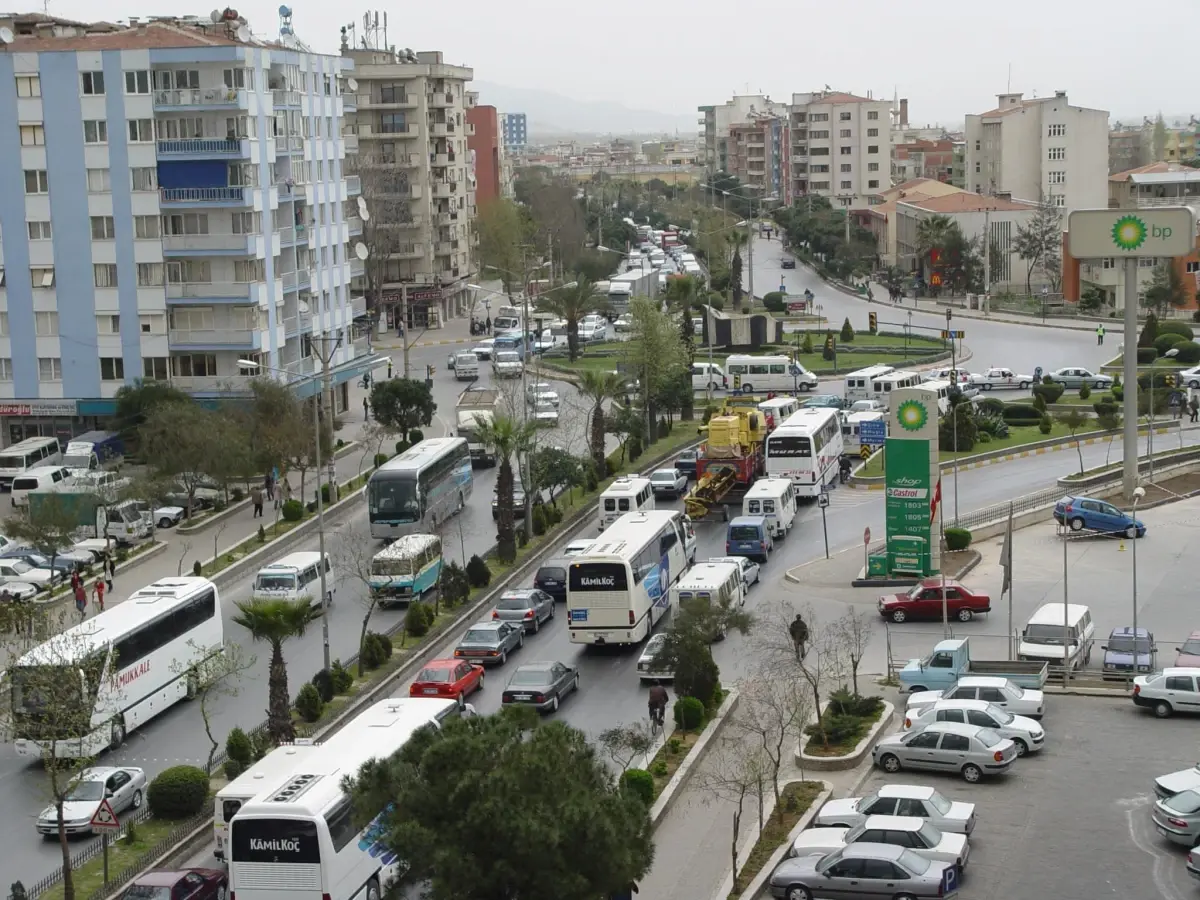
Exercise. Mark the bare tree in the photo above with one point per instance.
(625, 743)
(218, 675)
(352, 551)
(387, 191)
(733, 773)
(818, 662)
(373, 436)
(853, 633)
(775, 706)
(184, 549)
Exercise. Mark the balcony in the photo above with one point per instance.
(414, 222)
(224, 148)
(210, 196)
(234, 338)
(350, 142)
(204, 99)
(445, 218)
(289, 236)
(285, 98)
(1188, 199)
(358, 267)
(388, 101)
(353, 185)
(440, 160)
(355, 225)
(443, 190)
(213, 384)
(297, 324)
(358, 306)
(438, 100)
(288, 144)
(216, 292)
(469, 129)
(294, 281)
(445, 248)
(290, 190)
(407, 251)
(240, 244)
(441, 129)
(407, 131)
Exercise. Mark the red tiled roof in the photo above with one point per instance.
(966, 201)
(1152, 169)
(146, 36)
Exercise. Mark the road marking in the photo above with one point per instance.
(1162, 859)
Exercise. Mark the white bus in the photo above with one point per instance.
(858, 384)
(297, 839)
(759, 373)
(423, 486)
(297, 576)
(806, 448)
(625, 495)
(882, 386)
(852, 430)
(777, 409)
(282, 761)
(620, 586)
(122, 667)
(28, 454)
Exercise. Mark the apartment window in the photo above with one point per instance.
(141, 131)
(1108, 263)
(819, 117)
(818, 151)
(5, 369)
(137, 82)
(146, 227)
(872, 167)
(145, 178)
(1, 276)
(977, 167)
(36, 181)
(238, 79)
(185, 223)
(154, 368)
(152, 323)
(189, 271)
(1058, 177)
(391, 93)
(872, 132)
(108, 324)
(29, 86)
(112, 368)
(104, 275)
(3, 324)
(844, 117)
(45, 324)
(1147, 262)
(392, 123)
(182, 129)
(873, 115)
(33, 136)
(846, 151)
(245, 223)
(846, 185)
(246, 271)
(1057, 130)
(149, 274)
(103, 228)
(845, 132)
(179, 79)
(1192, 266)
(41, 277)
(98, 181)
(39, 231)
(846, 167)
(819, 135)
(242, 175)
(1060, 199)
(873, 183)
(819, 170)
(820, 185)
(92, 82)
(1056, 153)
(95, 131)
(49, 368)
(387, 152)
(873, 148)
(194, 364)
(197, 318)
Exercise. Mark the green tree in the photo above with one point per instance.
(1039, 241)
(275, 622)
(48, 528)
(504, 230)
(594, 265)
(274, 424)
(735, 277)
(402, 404)
(1159, 139)
(556, 470)
(557, 795)
(134, 403)
(655, 353)
(1073, 420)
(599, 388)
(1149, 331)
(186, 441)
(507, 438)
(687, 647)
(1091, 299)
(932, 234)
(681, 297)
(571, 303)
(1166, 289)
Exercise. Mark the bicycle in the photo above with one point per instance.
(657, 717)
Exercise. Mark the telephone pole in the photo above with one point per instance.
(404, 324)
(324, 347)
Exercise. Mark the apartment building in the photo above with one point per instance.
(840, 147)
(923, 158)
(880, 218)
(174, 201)
(412, 130)
(756, 154)
(715, 122)
(514, 129)
(1128, 148)
(1041, 148)
(485, 150)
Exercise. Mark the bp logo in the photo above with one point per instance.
(912, 415)
(1129, 232)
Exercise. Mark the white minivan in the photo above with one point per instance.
(295, 577)
(35, 479)
(1058, 632)
(705, 375)
(775, 500)
(711, 582)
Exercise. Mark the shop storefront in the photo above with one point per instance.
(44, 418)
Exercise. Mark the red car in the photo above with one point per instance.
(924, 601)
(179, 884)
(452, 678)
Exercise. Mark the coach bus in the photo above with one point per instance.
(806, 448)
(423, 486)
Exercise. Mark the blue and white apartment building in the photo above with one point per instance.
(513, 132)
(173, 199)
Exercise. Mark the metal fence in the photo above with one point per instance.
(1000, 511)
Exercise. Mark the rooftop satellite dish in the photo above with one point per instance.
(243, 34)
(362, 204)
(285, 10)
(364, 214)
(360, 250)
(215, 16)
(352, 83)
(6, 35)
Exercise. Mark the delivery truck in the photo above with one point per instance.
(94, 514)
(476, 406)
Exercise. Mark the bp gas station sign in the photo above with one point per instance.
(911, 477)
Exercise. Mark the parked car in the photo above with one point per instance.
(1125, 656)
(452, 678)
(822, 401)
(1189, 377)
(750, 569)
(920, 835)
(1074, 378)
(924, 601)
(995, 690)
(542, 685)
(1172, 690)
(526, 607)
(685, 462)
(18, 590)
(551, 577)
(1080, 513)
(123, 787)
(900, 800)
(179, 884)
(969, 750)
(21, 571)
(1172, 783)
(1027, 734)
(206, 493)
(60, 567)
(489, 643)
(647, 668)
(860, 872)
(483, 350)
(1000, 378)
(668, 483)
(1177, 818)
(1188, 654)
(788, 263)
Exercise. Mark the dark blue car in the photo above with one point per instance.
(60, 568)
(1086, 513)
(1121, 650)
(686, 462)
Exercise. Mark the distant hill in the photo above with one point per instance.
(551, 114)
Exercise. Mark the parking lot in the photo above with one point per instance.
(1074, 820)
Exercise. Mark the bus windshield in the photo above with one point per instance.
(783, 445)
(394, 498)
(392, 566)
(275, 582)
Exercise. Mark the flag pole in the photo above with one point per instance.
(1006, 561)
(942, 515)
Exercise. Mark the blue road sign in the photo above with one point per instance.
(794, 371)
(949, 881)
(873, 432)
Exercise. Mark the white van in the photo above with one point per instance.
(36, 478)
(508, 318)
(858, 384)
(706, 374)
(711, 582)
(882, 386)
(295, 577)
(1056, 632)
(281, 762)
(28, 454)
(625, 495)
(851, 428)
(777, 409)
(759, 373)
(775, 500)
(943, 394)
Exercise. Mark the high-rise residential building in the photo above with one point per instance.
(486, 152)
(174, 200)
(756, 154)
(1042, 149)
(412, 130)
(840, 147)
(514, 132)
(715, 122)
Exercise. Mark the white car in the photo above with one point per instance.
(1167, 786)
(750, 569)
(668, 482)
(21, 571)
(961, 377)
(1168, 691)
(998, 691)
(647, 671)
(545, 415)
(867, 406)
(19, 590)
(168, 516)
(1190, 377)
(483, 350)
(1027, 734)
(507, 364)
(1000, 378)
(541, 392)
(900, 800)
(574, 548)
(543, 342)
(919, 835)
(122, 786)
(624, 323)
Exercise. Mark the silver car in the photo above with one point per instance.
(863, 872)
(529, 608)
(968, 750)
(647, 666)
(123, 788)
(1027, 734)
(750, 569)
(920, 801)
(489, 643)
(1077, 378)
(916, 834)
(1178, 818)
(1175, 782)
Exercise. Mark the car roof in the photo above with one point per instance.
(1194, 636)
(488, 623)
(98, 773)
(447, 663)
(524, 593)
(956, 704)
(937, 582)
(982, 681)
(906, 791)
(955, 728)
(895, 823)
(160, 877)
(535, 667)
(1127, 631)
(1181, 670)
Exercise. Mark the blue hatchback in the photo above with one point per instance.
(1119, 653)
(1080, 513)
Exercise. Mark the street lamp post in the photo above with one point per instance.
(1138, 493)
(954, 416)
(907, 331)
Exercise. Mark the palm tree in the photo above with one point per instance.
(506, 437)
(572, 304)
(599, 388)
(275, 621)
(932, 234)
(681, 295)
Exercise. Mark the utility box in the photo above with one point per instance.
(908, 555)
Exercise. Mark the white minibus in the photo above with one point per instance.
(625, 495)
(775, 500)
(852, 426)
(36, 479)
(759, 373)
(806, 448)
(295, 577)
(943, 394)
(284, 760)
(858, 384)
(777, 409)
(31, 452)
(718, 583)
(1058, 632)
(883, 385)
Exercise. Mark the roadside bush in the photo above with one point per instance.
(689, 713)
(237, 494)
(325, 489)
(197, 569)
(522, 539)
(1165, 342)
(1146, 355)
(991, 425)
(806, 346)
(1021, 414)
(343, 678)
(1046, 425)
(1149, 331)
(309, 703)
(178, 792)
(415, 436)
(232, 769)
(1105, 406)
(539, 520)
(478, 573)
(401, 446)
(991, 406)
(1118, 392)
(1084, 392)
(238, 747)
(1189, 352)
(262, 535)
(554, 515)
(1039, 403)
(847, 335)
(371, 654)
(323, 682)
(311, 506)
(635, 449)
(589, 478)
(380, 459)
(292, 511)
(1049, 392)
(835, 729)
(774, 301)
(455, 585)
(418, 618)
(384, 642)
(610, 467)
(843, 702)
(1174, 326)
(639, 783)
(958, 538)
(984, 438)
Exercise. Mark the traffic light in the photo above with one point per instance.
(873, 322)
(429, 370)
(1170, 381)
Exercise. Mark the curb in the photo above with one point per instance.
(851, 759)
(670, 793)
(863, 581)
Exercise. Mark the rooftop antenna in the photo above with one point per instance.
(285, 20)
(6, 36)
(1008, 85)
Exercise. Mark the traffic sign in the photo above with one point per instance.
(953, 335)
(949, 881)
(794, 371)
(104, 818)
(867, 535)
(822, 500)
(865, 451)
(873, 432)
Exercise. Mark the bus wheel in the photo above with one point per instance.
(117, 737)
(372, 889)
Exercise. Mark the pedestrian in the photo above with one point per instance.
(81, 601)
(256, 497)
(798, 631)
(75, 579)
(110, 568)
(98, 593)
(366, 410)
(1100, 334)
(287, 490)
(389, 370)
(487, 323)
(1193, 409)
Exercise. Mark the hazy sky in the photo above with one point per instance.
(947, 58)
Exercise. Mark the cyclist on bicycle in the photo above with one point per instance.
(658, 703)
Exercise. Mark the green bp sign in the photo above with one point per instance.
(1160, 231)
(911, 482)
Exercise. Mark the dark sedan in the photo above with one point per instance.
(529, 608)
(552, 578)
(179, 884)
(61, 568)
(541, 685)
(686, 462)
(489, 643)
(789, 263)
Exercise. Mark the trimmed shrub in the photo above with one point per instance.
(635, 449)
(539, 520)
(232, 769)
(1039, 403)
(309, 703)
(323, 682)
(343, 678)
(1174, 326)
(589, 478)
(522, 538)
(844, 703)
(179, 792)
(1149, 331)
(311, 506)
(1021, 414)
(847, 335)
(1084, 392)
(1165, 342)
(1046, 425)
(415, 436)
(262, 535)
(401, 446)
(1189, 352)
(836, 729)
(639, 783)
(478, 573)
(325, 489)
(774, 301)
(1146, 355)
(238, 747)
(197, 569)
(237, 494)
(455, 586)
(1051, 392)
(292, 511)
(1105, 406)
(984, 438)
(806, 346)
(1118, 392)
(418, 619)
(991, 406)
(689, 713)
(371, 653)
(380, 459)
(958, 538)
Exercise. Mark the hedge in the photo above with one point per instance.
(1146, 355)
(640, 783)
(1165, 342)
(958, 538)
(1187, 352)
(1171, 326)
(689, 713)
(1021, 414)
(179, 792)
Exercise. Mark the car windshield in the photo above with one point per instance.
(1045, 634)
(1125, 645)
(505, 356)
(939, 803)
(915, 592)
(530, 676)
(480, 636)
(394, 498)
(19, 565)
(514, 603)
(1185, 802)
(87, 790)
(930, 835)
(988, 737)
(744, 533)
(147, 892)
(918, 865)
(654, 645)
(275, 582)
(434, 676)
(1002, 716)
(663, 476)
(1191, 646)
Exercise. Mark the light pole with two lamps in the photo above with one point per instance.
(1138, 493)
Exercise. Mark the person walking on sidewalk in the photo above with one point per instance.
(366, 410)
(1193, 409)
(81, 601)
(109, 568)
(389, 370)
(1100, 334)
(256, 497)
(98, 593)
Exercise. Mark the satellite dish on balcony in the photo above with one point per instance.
(364, 214)
(6, 35)
(243, 34)
(352, 83)
(362, 204)
(360, 250)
